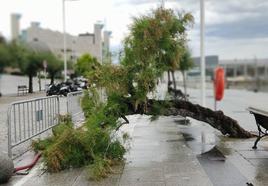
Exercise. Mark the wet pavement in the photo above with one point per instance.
(158, 156)
(235, 162)
(170, 151)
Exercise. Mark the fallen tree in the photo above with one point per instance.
(216, 119)
(156, 44)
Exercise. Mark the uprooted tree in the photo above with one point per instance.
(156, 43)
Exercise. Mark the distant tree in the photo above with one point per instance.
(2, 40)
(28, 61)
(186, 63)
(54, 65)
(32, 65)
(85, 64)
(18, 55)
(4, 56)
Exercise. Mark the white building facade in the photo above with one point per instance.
(96, 43)
(76, 46)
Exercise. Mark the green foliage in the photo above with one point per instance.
(90, 102)
(155, 44)
(186, 62)
(86, 64)
(54, 65)
(99, 169)
(92, 145)
(116, 150)
(19, 55)
(4, 56)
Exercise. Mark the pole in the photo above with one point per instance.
(257, 87)
(163, 3)
(64, 40)
(45, 79)
(202, 52)
(0, 85)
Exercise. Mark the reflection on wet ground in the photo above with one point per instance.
(226, 161)
(198, 136)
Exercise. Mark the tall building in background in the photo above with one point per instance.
(98, 40)
(15, 26)
(92, 43)
(106, 47)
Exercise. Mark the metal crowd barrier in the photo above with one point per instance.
(74, 108)
(27, 119)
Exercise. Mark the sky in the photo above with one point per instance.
(235, 29)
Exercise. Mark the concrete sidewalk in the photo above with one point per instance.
(158, 156)
(166, 152)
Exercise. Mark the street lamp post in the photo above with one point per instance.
(64, 38)
(202, 52)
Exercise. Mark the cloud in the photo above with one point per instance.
(247, 28)
(240, 19)
(137, 2)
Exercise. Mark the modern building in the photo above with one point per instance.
(15, 26)
(96, 43)
(211, 63)
(106, 47)
(246, 68)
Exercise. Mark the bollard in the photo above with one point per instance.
(6, 168)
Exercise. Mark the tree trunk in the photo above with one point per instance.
(30, 84)
(174, 80)
(184, 83)
(216, 119)
(169, 81)
(39, 81)
(52, 79)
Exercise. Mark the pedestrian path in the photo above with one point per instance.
(158, 156)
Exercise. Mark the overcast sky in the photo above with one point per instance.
(234, 28)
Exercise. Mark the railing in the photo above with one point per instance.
(74, 108)
(27, 119)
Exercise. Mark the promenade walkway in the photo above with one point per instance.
(158, 156)
(167, 152)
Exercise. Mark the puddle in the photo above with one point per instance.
(200, 138)
(182, 121)
(214, 155)
(174, 140)
(188, 137)
(203, 141)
